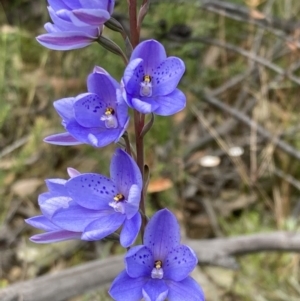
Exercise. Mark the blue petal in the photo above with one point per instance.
(94, 4)
(51, 202)
(152, 52)
(75, 218)
(122, 113)
(88, 109)
(57, 4)
(105, 86)
(133, 76)
(57, 185)
(170, 104)
(139, 262)
(167, 75)
(103, 226)
(127, 288)
(130, 230)
(62, 139)
(64, 108)
(97, 137)
(145, 105)
(65, 40)
(162, 234)
(93, 17)
(187, 290)
(72, 4)
(133, 201)
(41, 222)
(54, 236)
(92, 191)
(179, 263)
(155, 290)
(63, 25)
(124, 172)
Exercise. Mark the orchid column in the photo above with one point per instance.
(92, 206)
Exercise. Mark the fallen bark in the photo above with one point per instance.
(99, 274)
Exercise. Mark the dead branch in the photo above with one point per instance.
(249, 122)
(99, 274)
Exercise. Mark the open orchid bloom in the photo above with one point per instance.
(76, 23)
(159, 269)
(53, 233)
(150, 80)
(92, 206)
(96, 117)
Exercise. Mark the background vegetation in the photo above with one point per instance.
(243, 54)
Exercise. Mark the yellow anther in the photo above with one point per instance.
(158, 264)
(147, 78)
(119, 197)
(109, 111)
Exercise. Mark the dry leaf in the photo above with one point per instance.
(256, 14)
(159, 184)
(26, 187)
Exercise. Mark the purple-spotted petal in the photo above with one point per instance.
(162, 234)
(93, 17)
(62, 139)
(170, 104)
(145, 105)
(54, 236)
(130, 230)
(41, 222)
(76, 218)
(127, 288)
(179, 262)
(65, 40)
(92, 191)
(88, 109)
(187, 290)
(103, 226)
(167, 76)
(152, 53)
(124, 172)
(155, 290)
(139, 262)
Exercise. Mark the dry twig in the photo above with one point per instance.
(99, 274)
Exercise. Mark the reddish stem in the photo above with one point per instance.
(134, 34)
(139, 121)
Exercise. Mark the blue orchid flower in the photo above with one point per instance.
(76, 23)
(150, 80)
(159, 269)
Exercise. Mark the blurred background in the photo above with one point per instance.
(227, 165)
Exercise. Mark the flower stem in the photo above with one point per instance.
(139, 121)
(134, 34)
